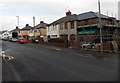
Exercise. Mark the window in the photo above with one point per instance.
(48, 28)
(53, 27)
(61, 26)
(54, 36)
(65, 25)
(38, 30)
(35, 30)
(31, 31)
(72, 25)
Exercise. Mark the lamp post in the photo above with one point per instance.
(34, 26)
(17, 21)
(100, 27)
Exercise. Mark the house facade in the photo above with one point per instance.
(6, 34)
(63, 27)
(53, 31)
(24, 32)
(40, 30)
(88, 30)
(15, 32)
(84, 27)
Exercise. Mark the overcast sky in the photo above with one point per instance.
(48, 10)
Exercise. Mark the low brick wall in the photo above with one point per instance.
(54, 44)
(108, 46)
(75, 45)
(29, 41)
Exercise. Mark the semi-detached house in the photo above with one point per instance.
(63, 27)
(15, 32)
(83, 27)
(24, 32)
(40, 30)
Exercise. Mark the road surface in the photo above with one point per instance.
(34, 62)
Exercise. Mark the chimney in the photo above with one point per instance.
(68, 13)
(41, 22)
(16, 27)
(27, 25)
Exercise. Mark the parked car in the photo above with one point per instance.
(14, 39)
(22, 40)
(36, 40)
(10, 39)
(5, 39)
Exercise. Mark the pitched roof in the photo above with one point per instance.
(82, 16)
(27, 27)
(17, 29)
(72, 17)
(2, 31)
(90, 14)
(41, 25)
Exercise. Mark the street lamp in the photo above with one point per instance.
(100, 27)
(34, 26)
(17, 21)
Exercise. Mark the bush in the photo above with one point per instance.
(58, 40)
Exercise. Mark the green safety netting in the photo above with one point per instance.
(86, 31)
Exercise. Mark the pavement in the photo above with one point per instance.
(36, 62)
(0, 62)
(94, 55)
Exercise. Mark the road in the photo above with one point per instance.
(34, 62)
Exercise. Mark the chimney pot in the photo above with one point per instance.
(41, 22)
(27, 24)
(16, 27)
(68, 13)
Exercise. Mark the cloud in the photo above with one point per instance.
(50, 10)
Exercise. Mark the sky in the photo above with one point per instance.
(48, 10)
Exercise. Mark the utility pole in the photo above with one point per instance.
(100, 27)
(17, 21)
(34, 26)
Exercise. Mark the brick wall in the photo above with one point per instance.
(54, 44)
(75, 45)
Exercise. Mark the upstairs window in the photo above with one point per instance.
(65, 25)
(72, 25)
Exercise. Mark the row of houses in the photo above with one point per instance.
(82, 27)
(28, 32)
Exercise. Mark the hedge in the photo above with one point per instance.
(58, 40)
